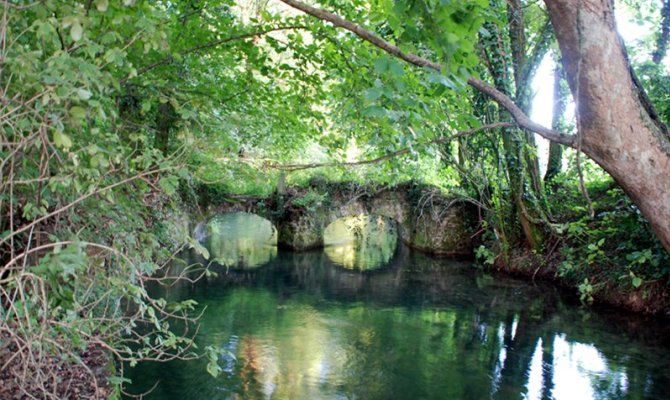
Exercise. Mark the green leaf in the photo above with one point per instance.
(200, 249)
(118, 380)
(395, 68)
(101, 5)
(84, 94)
(374, 112)
(169, 184)
(637, 282)
(78, 113)
(76, 31)
(452, 38)
(372, 94)
(213, 367)
(62, 140)
(147, 268)
(99, 159)
(436, 77)
(381, 65)
(115, 56)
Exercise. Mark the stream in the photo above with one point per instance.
(368, 318)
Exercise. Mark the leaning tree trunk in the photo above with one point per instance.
(616, 124)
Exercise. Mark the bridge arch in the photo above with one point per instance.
(238, 239)
(361, 242)
(444, 225)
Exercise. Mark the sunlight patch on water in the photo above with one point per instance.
(535, 379)
(361, 242)
(574, 365)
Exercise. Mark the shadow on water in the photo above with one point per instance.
(303, 327)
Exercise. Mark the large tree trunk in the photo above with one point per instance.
(616, 123)
(513, 138)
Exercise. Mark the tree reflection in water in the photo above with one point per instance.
(302, 327)
(241, 240)
(361, 242)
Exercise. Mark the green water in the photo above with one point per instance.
(241, 240)
(361, 242)
(302, 326)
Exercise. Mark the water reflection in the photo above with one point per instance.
(361, 242)
(241, 240)
(305, 328)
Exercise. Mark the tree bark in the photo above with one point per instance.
(517, 36)
(522, 86)
(555, 159)
(513, 139)
(166, 117)
(616, 124)
(663, 35)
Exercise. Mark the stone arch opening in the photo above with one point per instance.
(239, 240)
(361, 241)
(444, 225)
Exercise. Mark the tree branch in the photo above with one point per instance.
(298, 167)
(519, 116)
(79, 200)
(215, 43)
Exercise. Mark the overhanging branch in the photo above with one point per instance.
(215, 43)
(519, 116)
(388, 156)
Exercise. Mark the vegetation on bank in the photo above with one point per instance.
(116, 115)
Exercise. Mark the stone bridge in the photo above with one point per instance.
(427, 220)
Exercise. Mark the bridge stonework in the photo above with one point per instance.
(427, 220)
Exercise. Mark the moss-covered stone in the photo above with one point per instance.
(428, 219)
(301, 233)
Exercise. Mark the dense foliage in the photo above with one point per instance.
(118, 114)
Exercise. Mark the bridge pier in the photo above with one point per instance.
(427, 220)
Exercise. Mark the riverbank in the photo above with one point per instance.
(55, 377)
(650, 298)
